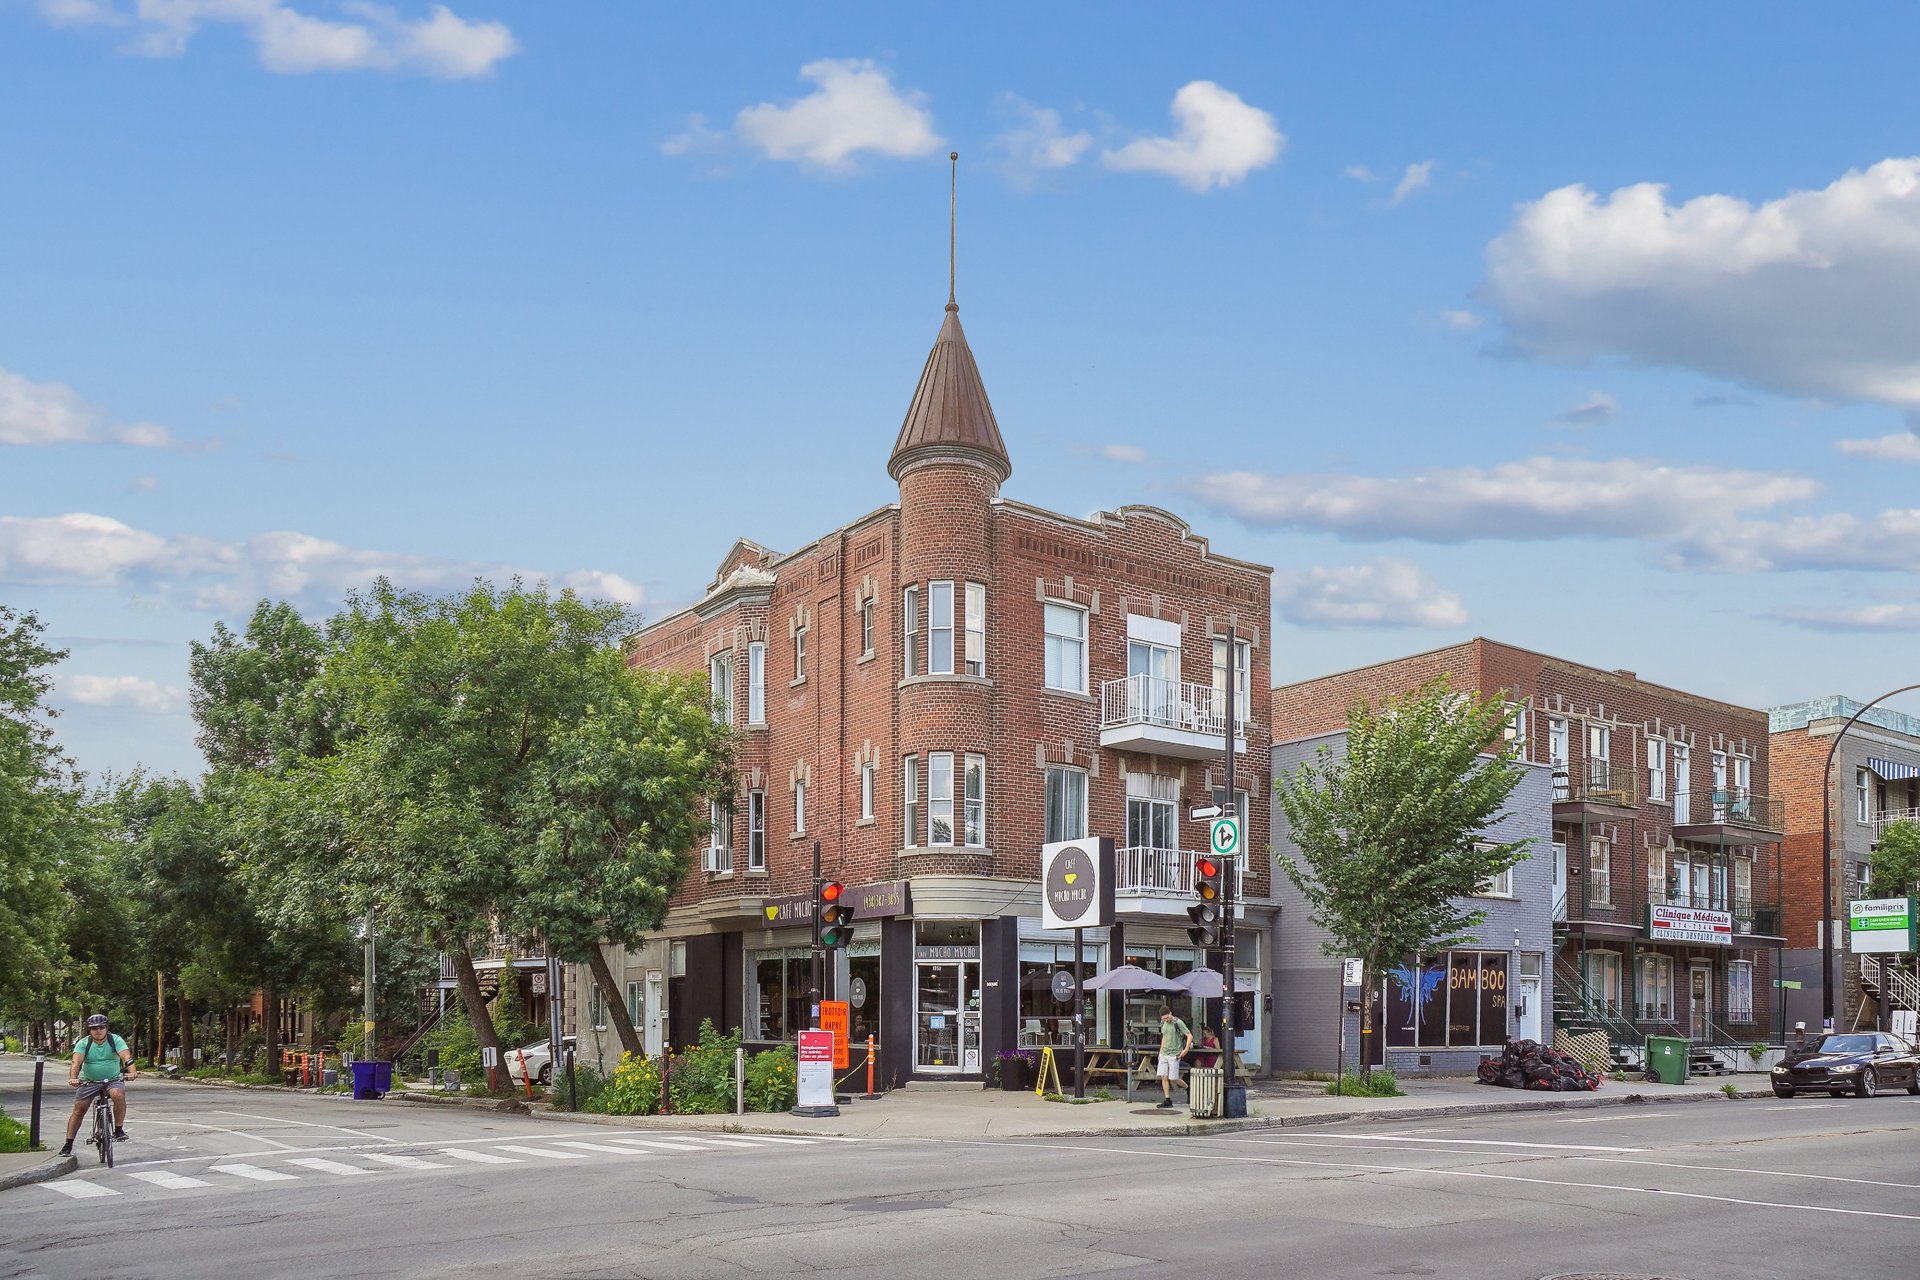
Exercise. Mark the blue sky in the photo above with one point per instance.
(1589, 328)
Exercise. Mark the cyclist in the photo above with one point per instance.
(98, 1059)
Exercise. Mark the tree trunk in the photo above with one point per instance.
(1366, 1022)
(186, 1033)
(270, 1029)
(233, 1037)
(476, 1007)
(615, 1001)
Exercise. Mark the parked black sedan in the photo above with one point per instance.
(1862, 1062)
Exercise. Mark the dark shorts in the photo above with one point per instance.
(88, 1088)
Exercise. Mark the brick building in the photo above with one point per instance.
(931, 691)
(1875, 781)
(1664, 858)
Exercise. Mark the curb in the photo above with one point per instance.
(53, 1167)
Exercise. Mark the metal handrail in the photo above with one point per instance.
(1887, 817)
(1899, 988)
(1597, 782)
(1145, 869)
(1169, 704)
(1568, 981)
(1739, 806)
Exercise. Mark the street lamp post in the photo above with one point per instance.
(1827, 801)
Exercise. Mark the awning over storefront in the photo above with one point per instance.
(1893, 770)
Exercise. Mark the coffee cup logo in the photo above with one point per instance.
(1070, 880)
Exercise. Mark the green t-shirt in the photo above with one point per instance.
(103, 1060)
(1173, 1035)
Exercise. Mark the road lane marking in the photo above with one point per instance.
(599, 1146)
(308, 1124)
(1487, 1142)
(234, 1133)
(477, 1157)
(766, 1137)
(80, 1190)
(171, 1181)
(1635, 1115)
(544, 1152)
(668, 1146)
(254, 1172)
(331, 1166)
(404, 1162)
(1762, 1173)
(727, 1141)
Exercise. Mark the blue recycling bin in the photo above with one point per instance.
(372, 1079)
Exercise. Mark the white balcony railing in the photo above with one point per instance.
(1169, 704)
(1142, 869)
(1885, 817)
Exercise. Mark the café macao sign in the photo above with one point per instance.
(1689, 924)
(1076, 883)
(869, 902)
(1882, 924)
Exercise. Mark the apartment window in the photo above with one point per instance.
(720, 837)
(910, 632)
(757, 683)
(756, 831)
(677, 960)
(636, 1003)
(1066, 658)
(1719, 771)
(800, 652)
(720, 680)
(910, 798)
(939, 628)
(1515, 729)
(1656, 875)
(1242, 661)
(1862, 795)
(1600, 873)
(1656, 988)
(1500, 886)
(1743, 776)
(1152, 815)
(1682, 783)
(1743, 885)
(1603, 978)
(974, 792)
(940, 797)
(1557, 742)
(1739, 991)
(1066, 816)
(866, 792)
(866, 627)
(799, 807)
(1656, 768)
(596, 1007)
(976, 651)
(1600, 743)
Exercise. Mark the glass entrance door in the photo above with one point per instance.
(947, 1017)
(1700, 1007)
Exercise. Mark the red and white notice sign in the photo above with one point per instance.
(1689, 924)
(816, 1069)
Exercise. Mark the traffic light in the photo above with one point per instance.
(1205, 913)
(834, 915)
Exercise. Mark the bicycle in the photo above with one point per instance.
(102, 1136)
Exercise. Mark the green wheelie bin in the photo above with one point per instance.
(1667, 1059)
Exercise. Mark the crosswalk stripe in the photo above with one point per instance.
(80, 1190)
(404, 1162)
(542, 1151)
(766, 1137)
(601, 1146)
(329, 1166)
(254, 1172)
(478, 1157)
(663, 1145)
(728, 1141)
(171, 1181)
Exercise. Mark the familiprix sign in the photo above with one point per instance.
(1882, 925)
(1689, 924)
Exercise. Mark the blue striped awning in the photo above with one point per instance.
(1893, 770)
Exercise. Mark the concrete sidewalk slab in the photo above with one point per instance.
(18, 1169)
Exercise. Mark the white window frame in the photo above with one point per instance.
(1743, 775)
(976, 624)
(866, 627)
(1514, 729)
(940, 799)
(1151, 796)
(1599, 743)
(596, 1007)
(973, 815)
(757, 683)
(636, 1004)
(1599, 872)
(1657, 875)
(1742, 884)
(1654, 979)
(800, 653)
(1682, 782)
(1863, 796)
(940, 628)
(720, 686)
(719, 838)
(910, 798)
(866, 792)
(800, 807)
(756, 830)
(1740, 991)
(1557, 741)
(1499, 886)
(910, 632)
(1242, 684)
(1656, 768)
(1065, 659)
(1066, 801)
(1610, 964)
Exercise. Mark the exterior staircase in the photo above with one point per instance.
(1577, 1012)
(1887, 985)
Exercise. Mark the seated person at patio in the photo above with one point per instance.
(1175, 1041)
(1207, 1052)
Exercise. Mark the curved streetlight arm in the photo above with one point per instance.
(1827, 802)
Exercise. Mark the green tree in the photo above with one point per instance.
(1391, 832)
(1894, 867)
(619, 794)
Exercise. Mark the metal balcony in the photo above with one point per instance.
(1143, 873)
(1167, 717)
(1734, 814)
(1887, 817)
(1594, 785)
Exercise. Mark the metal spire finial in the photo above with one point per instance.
(953, 208)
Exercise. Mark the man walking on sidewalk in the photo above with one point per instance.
(1175, 1041)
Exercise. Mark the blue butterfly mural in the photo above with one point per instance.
(1417, 985)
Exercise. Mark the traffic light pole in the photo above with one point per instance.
(1230, 884)
(814, 992)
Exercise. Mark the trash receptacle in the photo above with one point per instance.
(1667, 1059)
(372, 1079)
(1203, 1092)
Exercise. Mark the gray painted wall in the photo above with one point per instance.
(1307, 995)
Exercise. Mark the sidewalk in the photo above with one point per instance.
(17, 1169)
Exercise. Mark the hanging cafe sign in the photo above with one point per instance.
(1689, 924)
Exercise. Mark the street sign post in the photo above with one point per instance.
(1225, 837)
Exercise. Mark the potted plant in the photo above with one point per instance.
(1016, 1068)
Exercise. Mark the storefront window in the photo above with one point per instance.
(777, 986)
(1143, 1007)
(946, 955)
(1454, 1000)
(1043, 1019)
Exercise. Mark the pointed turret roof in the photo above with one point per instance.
(950, 413)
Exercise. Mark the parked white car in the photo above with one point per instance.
(534, 1060)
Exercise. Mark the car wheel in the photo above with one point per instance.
(1913, 1086)
(1779, 1092)
(1869, 1084)
(546, 1074)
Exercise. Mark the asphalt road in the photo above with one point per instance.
(270, 1185)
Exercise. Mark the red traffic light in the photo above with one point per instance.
(1206, 868)
(830, 891)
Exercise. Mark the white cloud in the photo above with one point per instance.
(1461, 320)
(290, 42)
(1887, 542)
(1811, 294)
(1532, 499)
(1901, 446)
(1360, 173)
(94, 550)
(696, 137)
(854, 109)
(1383, 592)
(1870, 617)
(1039, 142)
(42, 413)
(124, 691)
(1217, 141)
(1123, 453)
(1417, 177)
(1596, 408)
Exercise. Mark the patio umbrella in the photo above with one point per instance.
(1210, 984)
(1131, 977)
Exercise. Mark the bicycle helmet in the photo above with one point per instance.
(97, 1020)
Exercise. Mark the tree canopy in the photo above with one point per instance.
(1894, 866)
